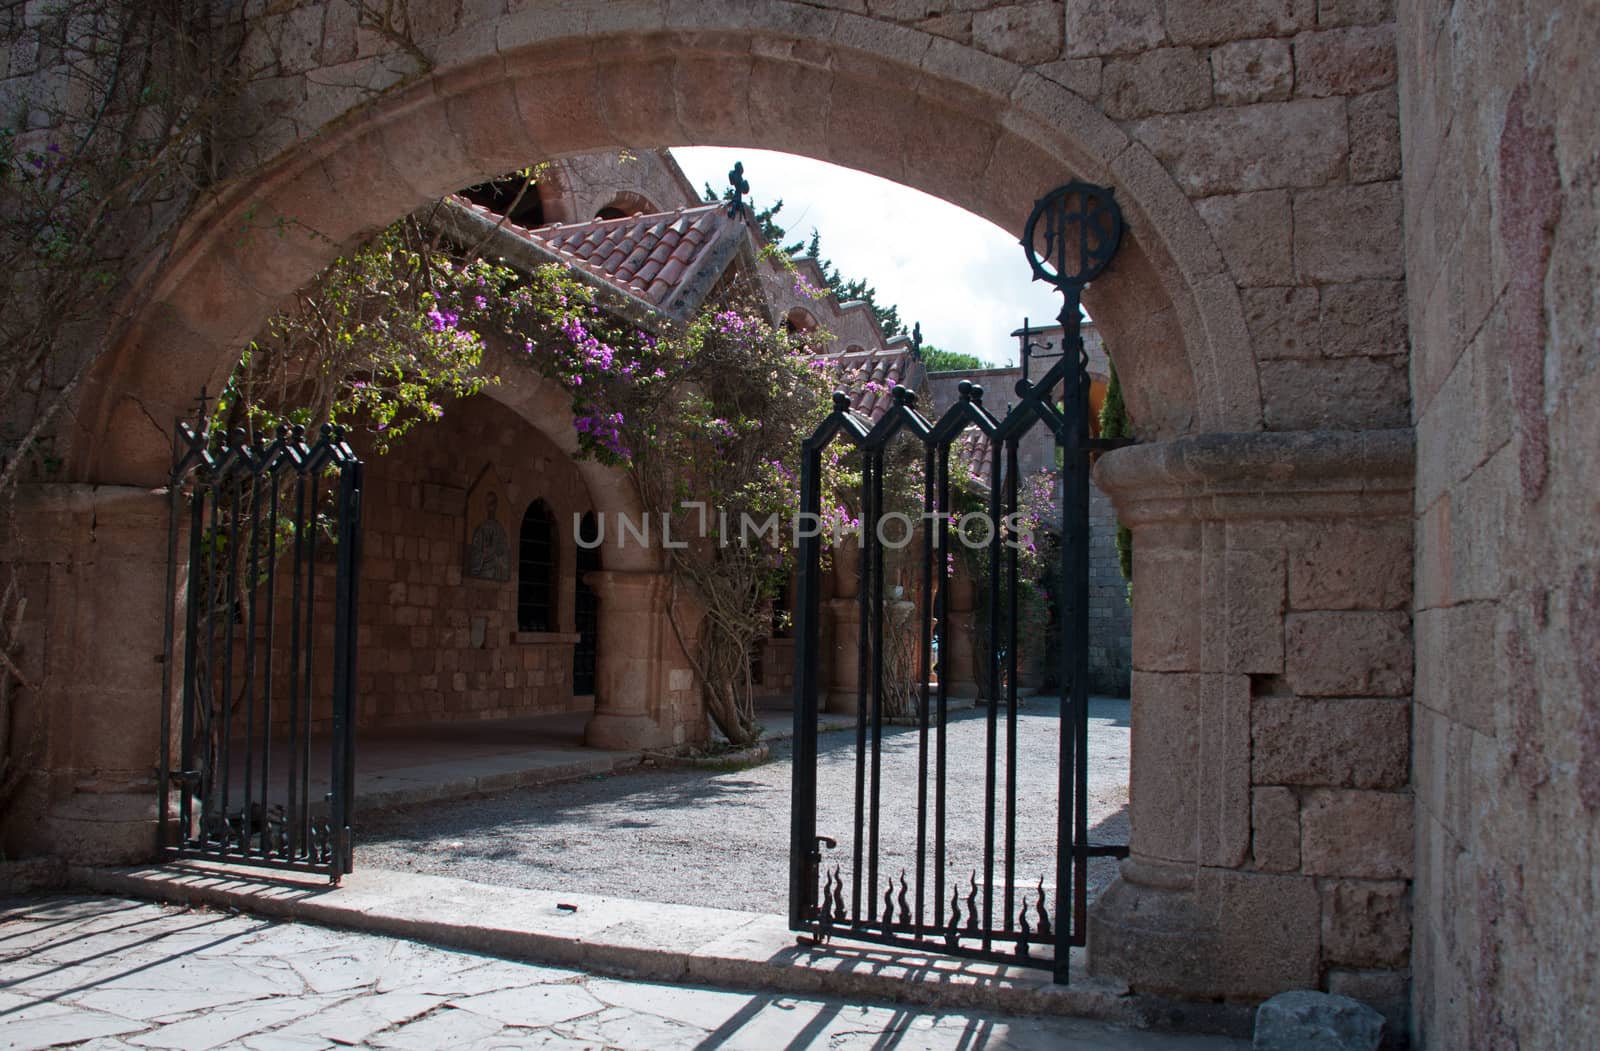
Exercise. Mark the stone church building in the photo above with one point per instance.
(1354, 315)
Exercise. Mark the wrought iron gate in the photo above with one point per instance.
(924, 898)
(266, 585)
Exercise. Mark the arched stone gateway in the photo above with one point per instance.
(1256, 310)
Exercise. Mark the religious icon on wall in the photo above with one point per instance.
(488, 544)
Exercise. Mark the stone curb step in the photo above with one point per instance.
(441, 782)
(649, 941)
(487, 775)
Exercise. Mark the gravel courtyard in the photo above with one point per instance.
(721, 838)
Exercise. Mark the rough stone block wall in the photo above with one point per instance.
(1294, 695)
(1501, 113)
(436, 645)
(1281, 121)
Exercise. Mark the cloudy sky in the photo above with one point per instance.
(969, 295)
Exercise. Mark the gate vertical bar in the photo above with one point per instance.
(805, 856)
(230, 605)
(924, 670)
(344, 689)
(1080, 232)
(1075, 642)
(940, 743)
(991, 754)
(187, 700)
(250, 593)
(875, 550)
(168, 630)
(1012, 635)
(309, 641)
(270, 640)
(296, 763)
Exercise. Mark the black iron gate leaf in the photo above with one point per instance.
(1011, 916)
(263, 552)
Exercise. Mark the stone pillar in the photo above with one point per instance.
(844, 660)
(645, 688)
(1270, 798)
(93, 565)
(958, 663)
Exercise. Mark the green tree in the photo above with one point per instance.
(854, 289)
(766, 220)
(939, 360)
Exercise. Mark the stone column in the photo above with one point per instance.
(643, 682)
(844, 660)
(93, 565)
(957, 661)
(1270, 799)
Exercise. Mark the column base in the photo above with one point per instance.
(1204, 933)
(625, 733)
(841, 703)
(113, 828)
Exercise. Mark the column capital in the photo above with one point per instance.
(629, 589)
(1262, 474)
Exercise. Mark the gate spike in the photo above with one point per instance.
(905, 907)
(972, 903)
(1044, 915)
(838, 896)
(888, 904)
(1022, 939)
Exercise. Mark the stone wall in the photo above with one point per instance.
(581, 186)
(1502, 119)
(1273, 849)
(436, 645)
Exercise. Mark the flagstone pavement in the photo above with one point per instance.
(103, 972)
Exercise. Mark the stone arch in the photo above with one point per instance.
(800, 320)
(625, 204)
(976, 130)
(548, 409)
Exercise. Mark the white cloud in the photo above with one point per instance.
(962, 277)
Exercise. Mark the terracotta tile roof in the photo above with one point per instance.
(868, 375)
(669, 260)
(974, 453)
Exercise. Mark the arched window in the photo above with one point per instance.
(625, 204)
(799, 321)
(537, 570)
